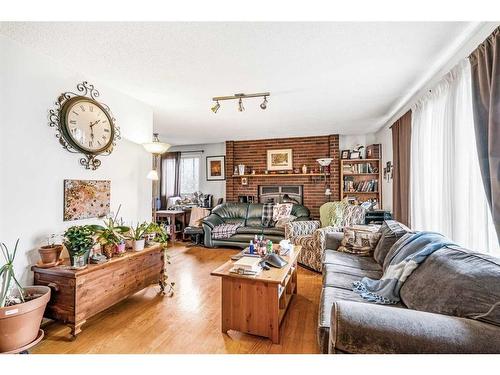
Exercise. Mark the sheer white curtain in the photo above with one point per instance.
(447, 194)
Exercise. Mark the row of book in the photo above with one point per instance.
(367, 186)
(359, 168)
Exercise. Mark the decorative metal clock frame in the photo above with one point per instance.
(57, 120)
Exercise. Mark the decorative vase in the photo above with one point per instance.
(50, 253)
(304, 169)
(120, 249)
(108, 250)
(241, 169)
(138, 245)
(79, 261)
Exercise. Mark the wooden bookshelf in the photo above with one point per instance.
(363, 178)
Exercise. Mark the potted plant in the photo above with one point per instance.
(111, 236)
(51, 252)
(21, 309)
(137, 234)
(161, 236)
(79, 241)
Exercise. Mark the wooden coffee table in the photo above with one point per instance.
(258, 304)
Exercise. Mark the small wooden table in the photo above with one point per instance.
(172, 216)
(79, 294)
(257, 304)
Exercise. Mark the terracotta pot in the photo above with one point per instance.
(19, 324)
(50, 253)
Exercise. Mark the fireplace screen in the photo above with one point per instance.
(281, 194)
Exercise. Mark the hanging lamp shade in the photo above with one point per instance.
(156, 147)
(152, 175)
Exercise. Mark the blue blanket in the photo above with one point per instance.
(412, 251)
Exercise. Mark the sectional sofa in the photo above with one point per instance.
(449, 304)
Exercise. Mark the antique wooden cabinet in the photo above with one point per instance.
(79, 294)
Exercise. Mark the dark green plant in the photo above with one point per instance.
(7, 277)
(79, 239)
(161, 237)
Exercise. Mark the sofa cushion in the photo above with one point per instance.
(261, 230)
(456, 281)
(343, 277)
(299, 211)
(350, 260)
(390, 232)
(232, 213)
(357, 241)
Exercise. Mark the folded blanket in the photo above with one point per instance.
(224, 231)
(411, 252)
(267, 215)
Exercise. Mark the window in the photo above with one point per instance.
(189, 174)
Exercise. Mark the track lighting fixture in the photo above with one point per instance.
(264, 103)
(216, 107)
(240, 98)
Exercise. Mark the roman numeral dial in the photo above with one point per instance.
(89, 126)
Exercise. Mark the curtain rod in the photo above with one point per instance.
(193, 151)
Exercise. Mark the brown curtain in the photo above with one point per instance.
(401, 147)
(485, 65)
(169, 176)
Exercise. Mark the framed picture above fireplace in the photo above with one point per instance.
(216, 169)
(279, 160)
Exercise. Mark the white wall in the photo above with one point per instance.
(216, 188)
(348, 142)
(33, 164)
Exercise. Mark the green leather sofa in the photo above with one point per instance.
(250, 216)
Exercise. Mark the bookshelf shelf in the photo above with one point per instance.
(364, 175)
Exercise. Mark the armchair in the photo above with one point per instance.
(313, 238)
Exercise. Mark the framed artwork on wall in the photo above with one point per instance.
(279, 160)
(216, 168)
(85, 199)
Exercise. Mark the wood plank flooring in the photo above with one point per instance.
(190, 321)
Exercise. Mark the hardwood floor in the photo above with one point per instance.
(190, 321)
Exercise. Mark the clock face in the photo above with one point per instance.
(88, 125)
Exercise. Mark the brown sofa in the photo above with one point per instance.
(450, 303)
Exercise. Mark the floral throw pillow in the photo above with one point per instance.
(282, 210)
(359, 241)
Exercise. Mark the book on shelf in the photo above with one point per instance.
(358, 168)
(363, 186)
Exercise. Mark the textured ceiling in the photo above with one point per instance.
(323, 77)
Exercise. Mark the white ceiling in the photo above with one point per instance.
(324, 78)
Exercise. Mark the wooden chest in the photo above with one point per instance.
(79, 294)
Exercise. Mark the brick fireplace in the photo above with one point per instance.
(305, 151)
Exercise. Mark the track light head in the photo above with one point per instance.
(240, 105)
(216, 107)
(264, 103)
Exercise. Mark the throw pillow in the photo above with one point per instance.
(331, 213)
(357, 241)
(390, 231)
(282, 210)
(281, 223)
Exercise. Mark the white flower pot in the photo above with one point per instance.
(138, 245)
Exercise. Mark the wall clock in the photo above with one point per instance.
(84, 125)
